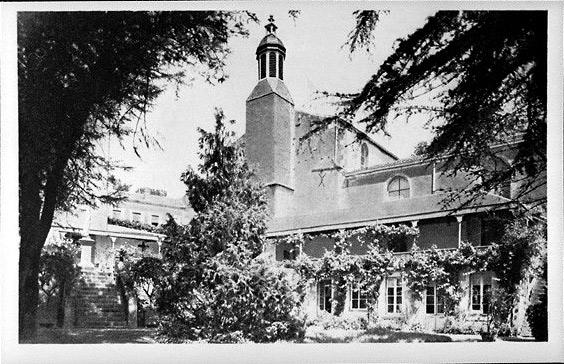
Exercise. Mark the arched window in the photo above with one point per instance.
(398, 188)
(363, 156)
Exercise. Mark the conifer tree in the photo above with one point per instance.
(482, 75)
(220, 288)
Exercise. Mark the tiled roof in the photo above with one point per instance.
(428, 206)
(270, 85)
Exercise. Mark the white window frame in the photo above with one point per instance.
(157, 221)
(436, 300)
(134, 213)
(482, 280)
(397, 307)
(399, 197)
(321, 302)
(116, 214)
(362, 296)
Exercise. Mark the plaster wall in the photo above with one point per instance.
(441, 233)
(103, 254)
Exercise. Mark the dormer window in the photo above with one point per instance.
(363, 156)
(398, 188)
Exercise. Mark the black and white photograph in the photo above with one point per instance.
(293, 182)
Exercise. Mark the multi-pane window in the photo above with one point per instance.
(434, 302)
(281, 66)
(116, 214)
(325, 293)
(262, 66)
(481, 285)
(155, 220)
(136, 216)
(359, 297)
(272, 64)
(394, 295)
(398, 188)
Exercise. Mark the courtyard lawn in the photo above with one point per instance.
(95, 336)
(314, 334)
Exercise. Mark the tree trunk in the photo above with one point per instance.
(30, 251)
(36, 216)
(28, 290)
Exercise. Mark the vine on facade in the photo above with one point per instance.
(516, 258)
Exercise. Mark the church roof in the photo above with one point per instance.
(270, 85)
(415, 208)
(270, 40)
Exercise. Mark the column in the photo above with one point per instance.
(414, 225)
(459, 220)
(160, 243)
(86, 251)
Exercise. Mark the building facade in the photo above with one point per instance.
(324, 179)
(98, 300)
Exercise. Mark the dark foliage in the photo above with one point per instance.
(482, 76)
(58, 275)
(537, 317)
(218, 288)
(81, 77)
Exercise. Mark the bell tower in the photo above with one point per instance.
(269, 144)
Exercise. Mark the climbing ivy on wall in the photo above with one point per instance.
(518, 255)
(135, 225)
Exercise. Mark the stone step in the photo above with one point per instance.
(106, 324)
(103, 316)
(97, 291)
(105, 308)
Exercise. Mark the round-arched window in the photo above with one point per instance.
(363, 156)
(398, 188)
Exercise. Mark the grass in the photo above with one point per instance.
(314, 334)
(95, 336)
(380, 335)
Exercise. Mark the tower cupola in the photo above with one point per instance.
(271, 53)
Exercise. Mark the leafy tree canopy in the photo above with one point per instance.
(86, 75)
(482, 75)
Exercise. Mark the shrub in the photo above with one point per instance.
(258, 303)
(455, 325)
(217, 288)
(58, 274)
(336, 322)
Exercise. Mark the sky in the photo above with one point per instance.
(315, 61)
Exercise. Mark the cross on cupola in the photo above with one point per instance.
(271, 27)
(271, 53)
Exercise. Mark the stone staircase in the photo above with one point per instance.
(98, 301)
